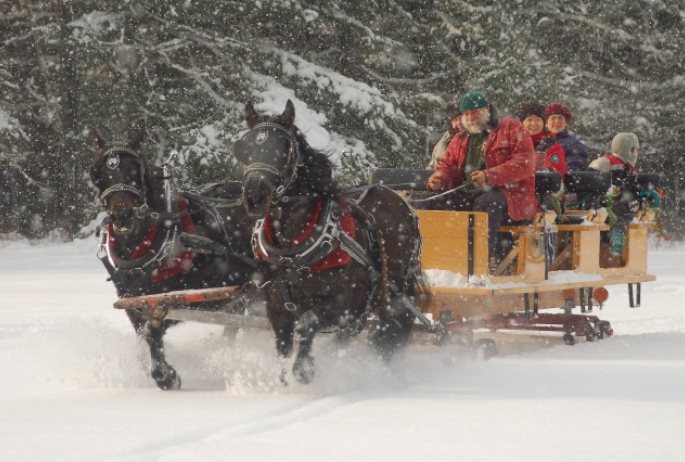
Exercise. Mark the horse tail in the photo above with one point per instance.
(389, 215)
(418, 290)
(417, 284)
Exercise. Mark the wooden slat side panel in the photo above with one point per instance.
(441, 231)
(445, 240)
(588, 251)
(636, 250)
(482, 253)
(474, 306)
(461, 303)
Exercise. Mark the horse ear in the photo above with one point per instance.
(137, 133)
(250, 115)
(288, 116)
(97, 141)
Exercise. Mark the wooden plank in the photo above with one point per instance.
(586, 251)
(473, 302)
(522, 229)
(179, 298)
(543, 286)
(445, 241)
(642, 225)
(532, 266)
(583, 227)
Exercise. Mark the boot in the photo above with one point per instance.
(617, 239)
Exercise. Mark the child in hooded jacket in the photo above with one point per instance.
(623, 196)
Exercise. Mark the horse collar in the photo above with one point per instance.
(144, 257)
(318, 240)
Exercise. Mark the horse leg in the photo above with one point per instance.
(283, 325)
(164, 375)
(393, 328)
(136, 321)
(304, 369)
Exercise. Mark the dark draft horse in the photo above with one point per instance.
(156, 239)
(333, 259)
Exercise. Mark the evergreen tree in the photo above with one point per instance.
(374, 74)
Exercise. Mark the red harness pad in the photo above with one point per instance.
(338, 257)
(171, 266)
(335, 259)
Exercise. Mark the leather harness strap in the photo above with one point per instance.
(330, 233)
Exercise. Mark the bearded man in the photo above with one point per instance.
(491, 164)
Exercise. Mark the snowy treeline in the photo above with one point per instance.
(369, 77)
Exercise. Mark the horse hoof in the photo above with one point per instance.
(166, 378)
(304, 371)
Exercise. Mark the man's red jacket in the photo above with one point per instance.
(509, 165)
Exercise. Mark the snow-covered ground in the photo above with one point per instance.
(74, 384)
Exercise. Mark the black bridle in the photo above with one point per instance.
(107, 158)
(285, 176)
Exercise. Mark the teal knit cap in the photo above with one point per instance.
(473, 100)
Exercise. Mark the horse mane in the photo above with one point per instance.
(153, 178)
(317, 169)
(316, 172)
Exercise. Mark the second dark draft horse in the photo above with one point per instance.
(334, 260)
(156, 239)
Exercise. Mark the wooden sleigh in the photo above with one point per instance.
(534, 275)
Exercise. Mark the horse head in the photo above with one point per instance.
(272, 156)
(124, 179)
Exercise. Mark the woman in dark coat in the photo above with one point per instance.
(559, 118)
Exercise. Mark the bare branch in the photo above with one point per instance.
(199, 78)
(30, 180)
(24, 14)
(409, 82)
(613, 32)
